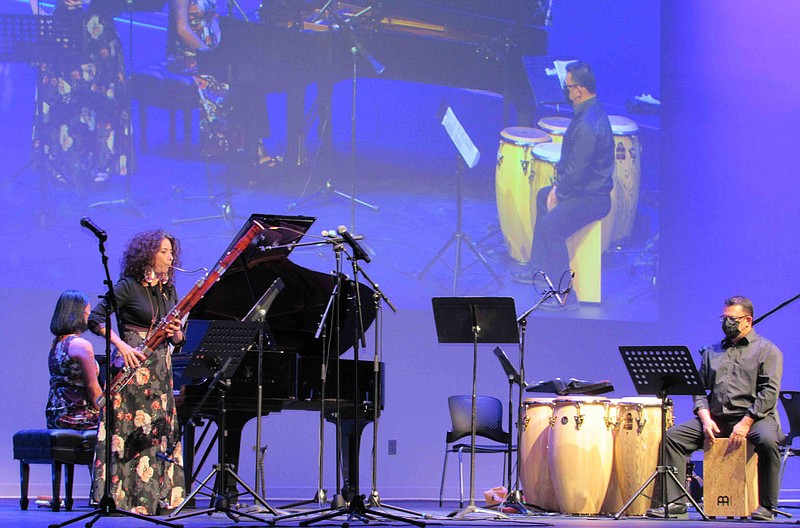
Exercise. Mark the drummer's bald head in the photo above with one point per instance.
(582, 75)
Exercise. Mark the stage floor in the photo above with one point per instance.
(11, 515)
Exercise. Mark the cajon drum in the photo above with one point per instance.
(730, 479)
(585, 258)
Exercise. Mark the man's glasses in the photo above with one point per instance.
(571, 86)
(724, 318)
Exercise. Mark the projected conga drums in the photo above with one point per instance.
(581, 453)
(512, 188)
(545, 159)
(534, 468)
(555, 126)
(627, 180)
(636, 446)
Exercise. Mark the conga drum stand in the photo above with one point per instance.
(660, 371)
(475, 320)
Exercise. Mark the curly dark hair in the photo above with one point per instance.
(141, 250)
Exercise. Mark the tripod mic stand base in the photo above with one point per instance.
(375, 502)
(462, 514)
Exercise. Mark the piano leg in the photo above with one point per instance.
(351, 443)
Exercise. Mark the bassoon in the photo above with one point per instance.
(159, 334)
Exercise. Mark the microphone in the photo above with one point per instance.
(358, 251)
(553, 289)
(91, 226)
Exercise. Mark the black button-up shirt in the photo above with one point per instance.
(743, 378)
(587, 154)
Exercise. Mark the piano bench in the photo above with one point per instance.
(56, 447)
(158, 87)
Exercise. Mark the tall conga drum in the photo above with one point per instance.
(545, 158)
(581, 453)
(534, 469)
(636, 448)
(614, 500)
(627, 180)
(555, 126)
(512, 188)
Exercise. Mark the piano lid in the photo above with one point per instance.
(295, 312)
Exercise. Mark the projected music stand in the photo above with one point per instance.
(660, 371)
(468, 156)
(475, 320)
(218, 354)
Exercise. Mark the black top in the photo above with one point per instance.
(138, 305)
(743, 378)
(587, 154)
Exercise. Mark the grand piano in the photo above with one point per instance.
(294, 300)
(289, 44)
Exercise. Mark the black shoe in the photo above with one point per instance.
(762, 514)
(675, 511)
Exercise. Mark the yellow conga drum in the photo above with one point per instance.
(512, 188)
(581, 453)
(545, 158)
(636, 446)
(555, 126)
(534, 469)
(614, 500)
(627, 180)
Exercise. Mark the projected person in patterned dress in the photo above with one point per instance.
(82, 127)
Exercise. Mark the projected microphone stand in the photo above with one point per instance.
(107, 507)
(357, 50)
(659, 371)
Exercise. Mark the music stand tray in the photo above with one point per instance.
(661, 371)
(475, 320)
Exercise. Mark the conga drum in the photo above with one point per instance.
(545, 158)
(581, 453)
(627, 180)
(534, 468)
(636, 448)
(555, 126)
(614, 500)
(512, 188)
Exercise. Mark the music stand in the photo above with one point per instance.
(660, 371)
(475, 320)
(218, 354)
(468, 155)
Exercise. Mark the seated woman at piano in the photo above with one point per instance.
(82, 127)
(74, 387)
(233, 120)
(145, 423)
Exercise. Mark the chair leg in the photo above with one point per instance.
(444, 472)
(24, 476)
(187, 126)
(69, 478)
(460, 477)
(55, 503)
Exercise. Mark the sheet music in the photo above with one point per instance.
(560, 69)
(462, 141)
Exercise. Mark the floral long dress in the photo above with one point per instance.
(68, 405)
(144, 422)
(82, 127)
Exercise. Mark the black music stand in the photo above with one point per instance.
(468, 155)
(661, 371)
(475, 320)
(218, 354)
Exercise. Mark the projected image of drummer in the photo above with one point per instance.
(569, 212)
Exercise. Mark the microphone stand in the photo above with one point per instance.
(107, 507)
(514, 497)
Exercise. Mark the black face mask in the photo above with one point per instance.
(730, 327)
(566, 95)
